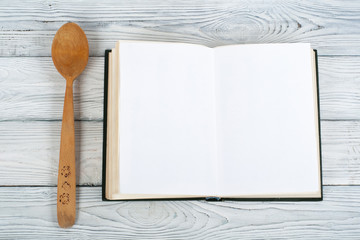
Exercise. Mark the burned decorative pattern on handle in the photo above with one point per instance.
(65, 171)
(66, 185)
(64, 198)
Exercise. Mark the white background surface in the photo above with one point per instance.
(32, 92)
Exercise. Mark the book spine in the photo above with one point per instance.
(213, 199)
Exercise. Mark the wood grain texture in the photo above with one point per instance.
(339, 84)
(32, 89)
(331, 26)
(70, 54)
(31, 97)
(340, 142)
(35, 91)
(29, 152)
(30, 213)
(66, 185)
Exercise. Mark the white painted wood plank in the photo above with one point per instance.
(32, 89)
(340, 142)
(30, 213)
(27, 28)
(29, 152)
(339, 80)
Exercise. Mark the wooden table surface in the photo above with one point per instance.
(31, 101)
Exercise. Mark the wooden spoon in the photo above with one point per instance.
(70, 53)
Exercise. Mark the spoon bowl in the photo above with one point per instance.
(70, 50)
(70, 54)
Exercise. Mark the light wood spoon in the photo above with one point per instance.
(70, 53)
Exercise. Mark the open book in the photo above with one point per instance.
(188, 121)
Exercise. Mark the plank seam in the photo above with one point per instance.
(99, 185)
(101, 56)
(101, 120)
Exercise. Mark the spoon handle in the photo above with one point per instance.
(66, 188)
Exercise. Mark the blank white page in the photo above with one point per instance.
(266, 119)
(167, 123)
